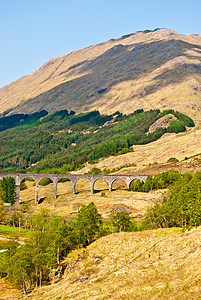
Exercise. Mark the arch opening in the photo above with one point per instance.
(100, 184)
(136, 185)
(27, 189)
(46, 189)
(82, 185)
(119, 184)
(64, 186)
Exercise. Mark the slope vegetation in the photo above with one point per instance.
(63, 142)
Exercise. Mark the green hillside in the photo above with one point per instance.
(62, 141)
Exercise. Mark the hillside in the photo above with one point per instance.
(155, 264)
(156, 69)
(157, 154)
(63, 142)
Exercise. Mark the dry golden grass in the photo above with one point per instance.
(156, 264)
(179, 145)
(7, 291)
(176, 88)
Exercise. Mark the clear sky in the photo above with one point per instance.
(33, 31)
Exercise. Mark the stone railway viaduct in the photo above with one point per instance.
(73, 178)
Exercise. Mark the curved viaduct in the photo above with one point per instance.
(73, 178)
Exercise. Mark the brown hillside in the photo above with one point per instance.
(157, 264)
(181, 146)
(157, 69)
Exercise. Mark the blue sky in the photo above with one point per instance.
(33, 31)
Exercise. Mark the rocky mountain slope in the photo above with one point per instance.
(148, 69)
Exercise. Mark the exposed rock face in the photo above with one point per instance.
(149, 69)
(162, 123)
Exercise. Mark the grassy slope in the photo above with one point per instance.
(157, 264)
(163, 71)
(179, 145)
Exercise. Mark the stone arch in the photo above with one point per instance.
(119, 183)
(46, 180)
(136, 179)
(27, 176)
(48, 186)
(81, 184)
(102, 185)
(21, 190)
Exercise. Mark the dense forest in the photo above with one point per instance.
(63, 141)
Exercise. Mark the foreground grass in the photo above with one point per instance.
(13, 232)
(157, 264)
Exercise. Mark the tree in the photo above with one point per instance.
(122, 221)
(148, 185)
(89, 223)
(7, 190)
(21, 268)
(136, 185)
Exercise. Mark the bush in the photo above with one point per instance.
(172, 159)
(23, 186)
(95, 171)
(136, 185)
(160, 181)
(45, 181)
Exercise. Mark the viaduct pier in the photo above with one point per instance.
(72, 177)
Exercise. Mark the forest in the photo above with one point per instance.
(63, 141)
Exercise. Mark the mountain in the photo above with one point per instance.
(156, 69)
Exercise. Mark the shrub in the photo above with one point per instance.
(136, 185)
(172, 159)
(23, 186)
(182, 208)
(95, 171)
(45, 181)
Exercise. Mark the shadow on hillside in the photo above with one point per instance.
(118, 64)
(41, 200)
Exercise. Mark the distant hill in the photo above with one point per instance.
(156, 69)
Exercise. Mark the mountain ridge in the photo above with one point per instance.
(147, 69)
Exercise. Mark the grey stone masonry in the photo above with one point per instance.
(72, 177)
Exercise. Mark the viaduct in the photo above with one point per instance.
(73, 178)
